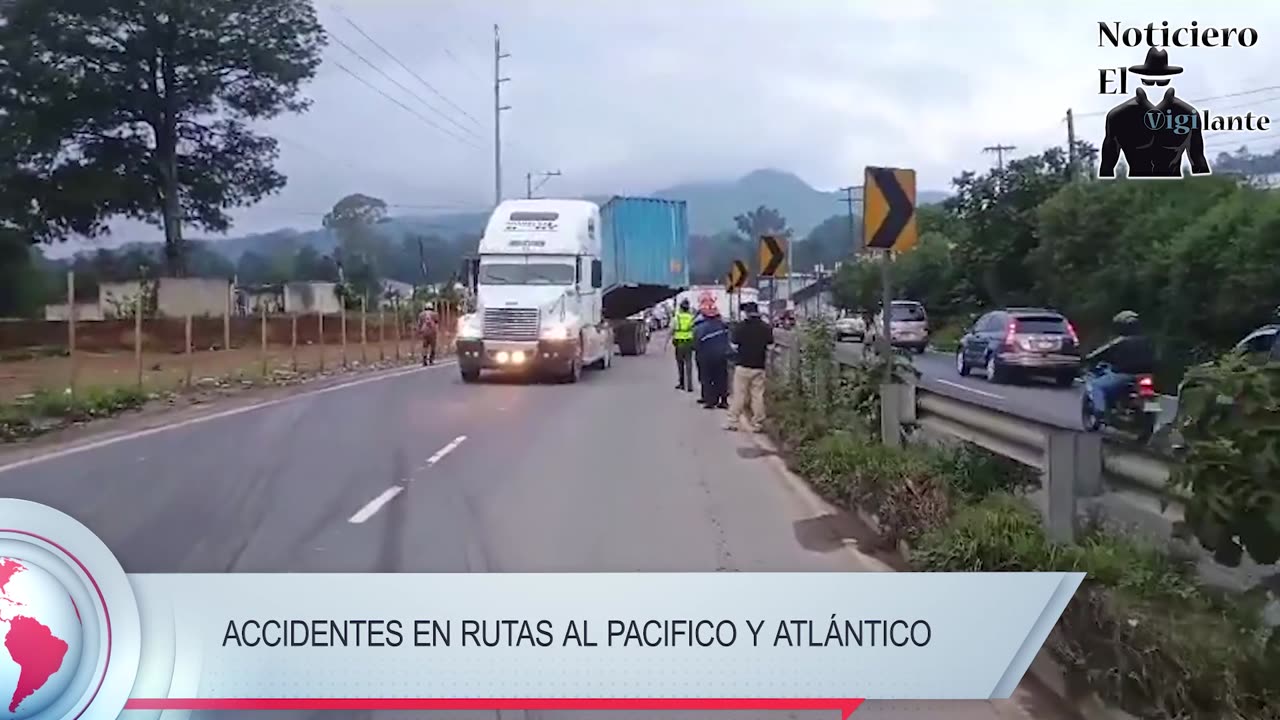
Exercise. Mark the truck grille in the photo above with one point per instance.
(511, 324)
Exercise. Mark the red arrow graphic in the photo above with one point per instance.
(846, 706)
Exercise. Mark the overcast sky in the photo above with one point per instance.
(630, 97)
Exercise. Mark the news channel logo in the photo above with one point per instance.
(68, 619)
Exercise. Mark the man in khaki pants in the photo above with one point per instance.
(753, 336)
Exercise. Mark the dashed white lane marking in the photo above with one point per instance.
(966, 388)
(376, 504)
(372, 507)
(104, 442)
(446, 450)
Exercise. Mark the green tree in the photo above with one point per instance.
(361, 251)
(144, 109)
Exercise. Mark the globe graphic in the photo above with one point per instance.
(40, 639)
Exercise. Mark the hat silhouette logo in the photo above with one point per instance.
(1156, 65)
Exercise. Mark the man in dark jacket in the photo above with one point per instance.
(711, 338)
(753, 336)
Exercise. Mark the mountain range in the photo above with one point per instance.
(712, 207)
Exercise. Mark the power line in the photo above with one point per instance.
(529, 189)
(1197, 101)
(400, 85)
(406, 108)
(397, 60)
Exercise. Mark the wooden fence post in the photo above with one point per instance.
(395, 323)
(71, 332)
(382, 333)
(226, 319)
(364, 342)
(293, 341)
(263, 349)
(137, 338)
(187, 351)
(320, 314)
(342, 319)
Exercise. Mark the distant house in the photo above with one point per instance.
(395, 289)
(174, 297)
(301, 298)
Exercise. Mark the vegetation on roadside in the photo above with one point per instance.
(47, 409)
(1197, 258)
(1141, 632)
(1229, 420)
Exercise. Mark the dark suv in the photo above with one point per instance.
(1025, 341)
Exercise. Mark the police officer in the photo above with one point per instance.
(682, 340)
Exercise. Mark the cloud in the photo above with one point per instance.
(635, 96)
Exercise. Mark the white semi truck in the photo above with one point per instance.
(559, 284)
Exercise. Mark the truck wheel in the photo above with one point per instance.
(470, 375)
(575, 372)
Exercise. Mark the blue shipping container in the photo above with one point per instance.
(645, 241)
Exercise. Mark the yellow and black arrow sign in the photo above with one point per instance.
(737, 276)
(773, 256)
(889, 209)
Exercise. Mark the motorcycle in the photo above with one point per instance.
(1136, 410)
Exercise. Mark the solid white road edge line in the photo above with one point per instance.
(374, 505)
(966, 388)
(112, 440)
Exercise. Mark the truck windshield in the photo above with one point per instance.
(526, 274)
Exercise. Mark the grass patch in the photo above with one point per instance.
(47, 409)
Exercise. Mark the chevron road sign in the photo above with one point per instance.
(889, 209)
(737, 275)
(773, 256)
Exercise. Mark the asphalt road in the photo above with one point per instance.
(1032, 398)
(418, 472)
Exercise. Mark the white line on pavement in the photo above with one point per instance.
(112, 440)
(446, 450)
(375, 504)
(975, 391)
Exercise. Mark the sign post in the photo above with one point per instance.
(737, 279)
(889, 226)
(773, 262)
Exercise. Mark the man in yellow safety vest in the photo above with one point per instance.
(682, 340)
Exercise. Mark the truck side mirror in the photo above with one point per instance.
(471, 272)
(597, 274)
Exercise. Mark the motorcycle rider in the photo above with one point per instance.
(1129, 354)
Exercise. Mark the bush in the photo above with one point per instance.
(902, 487)
(974, 473)
(1227, 417)
(1140, 632)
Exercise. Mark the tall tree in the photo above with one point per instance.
(142, 108)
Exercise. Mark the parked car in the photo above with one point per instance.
(851, 327)
(1261, 344)
(908, 326)
(1021, 341)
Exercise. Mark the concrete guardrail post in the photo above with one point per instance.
(891, 401)
(1073, 469)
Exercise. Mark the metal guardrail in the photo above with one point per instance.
(1075, 464)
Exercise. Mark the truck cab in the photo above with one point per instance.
(538, 282)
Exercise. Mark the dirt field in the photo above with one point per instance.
(169, 371)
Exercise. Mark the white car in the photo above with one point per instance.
(851, 327)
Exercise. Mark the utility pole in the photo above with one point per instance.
(854, 239)
(1071, 145)
(999, 150)
(498, 108)
(528, 181)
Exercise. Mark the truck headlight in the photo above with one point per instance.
(469, 327)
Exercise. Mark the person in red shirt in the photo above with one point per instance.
(428, 328)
